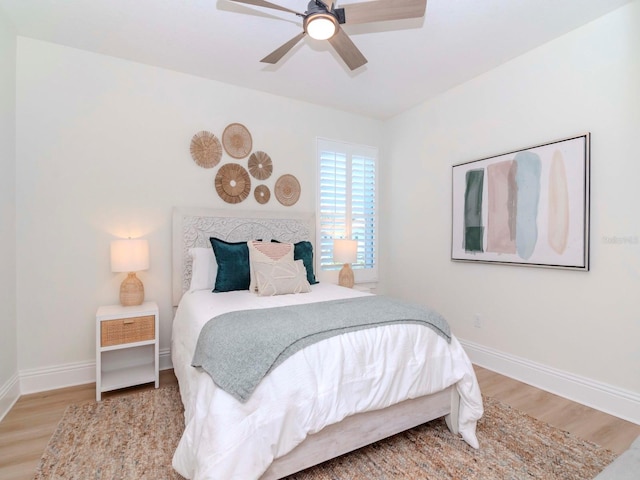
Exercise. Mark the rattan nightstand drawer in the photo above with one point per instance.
(127, 330)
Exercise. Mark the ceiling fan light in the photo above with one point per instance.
(321, 26)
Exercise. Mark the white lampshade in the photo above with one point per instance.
(345, 251)
(321, 26)
(131, 255)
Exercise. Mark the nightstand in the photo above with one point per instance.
(126, 346)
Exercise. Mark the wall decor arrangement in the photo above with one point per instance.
(262, 194)
(287, 190)
(529, 207)
(260, 165)
(232, 182)
(236, 140)
(206, 149)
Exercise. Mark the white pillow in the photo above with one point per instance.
(281, 278)
(266, 252)
(203, 269)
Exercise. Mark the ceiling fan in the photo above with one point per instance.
(322, 21)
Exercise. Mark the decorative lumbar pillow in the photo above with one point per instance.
(203, 269)
(304, 251)
(281, 278)
(233, 265)
(266, 252)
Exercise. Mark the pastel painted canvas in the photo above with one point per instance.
(527, 207)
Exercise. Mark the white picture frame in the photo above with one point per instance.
(529, 207)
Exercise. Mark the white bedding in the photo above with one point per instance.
(318, 386)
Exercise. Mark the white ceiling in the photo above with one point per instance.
(409, 60)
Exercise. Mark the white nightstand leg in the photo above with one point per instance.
(98, 376)
(157, 356)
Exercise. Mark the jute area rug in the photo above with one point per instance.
(134, 436)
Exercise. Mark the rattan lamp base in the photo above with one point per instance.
(131, 291)
(345, 278)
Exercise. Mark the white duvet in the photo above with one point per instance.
(318, 386)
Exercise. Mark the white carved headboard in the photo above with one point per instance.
(192, 227)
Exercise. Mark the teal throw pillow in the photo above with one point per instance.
(233, 265)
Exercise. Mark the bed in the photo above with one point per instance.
(328, 399)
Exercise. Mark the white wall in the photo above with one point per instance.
(586, 325)
(103, 152)
(8, 324)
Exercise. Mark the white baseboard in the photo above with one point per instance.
(60, 376)
(615, 401)
(70, 374)
(9, 394)
(165, 359)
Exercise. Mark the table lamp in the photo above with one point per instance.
(131, 256)
(346, 252)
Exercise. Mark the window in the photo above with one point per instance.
(347, 204)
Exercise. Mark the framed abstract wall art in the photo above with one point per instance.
(529, 207)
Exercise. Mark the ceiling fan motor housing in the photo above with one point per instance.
(325, 24)
(315, 6)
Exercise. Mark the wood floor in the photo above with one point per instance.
(584, 422)
(26, 429)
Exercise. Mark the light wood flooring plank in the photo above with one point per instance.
(584, 422)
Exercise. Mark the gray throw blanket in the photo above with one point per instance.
(238, 349)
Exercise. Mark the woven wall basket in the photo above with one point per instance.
(206, 149)
(260, 165)
(236, 140)
(287, 190)
(262, 194)
(233, 183)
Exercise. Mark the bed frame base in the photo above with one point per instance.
(365, 428)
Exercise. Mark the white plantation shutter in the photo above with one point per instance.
(347, 204)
